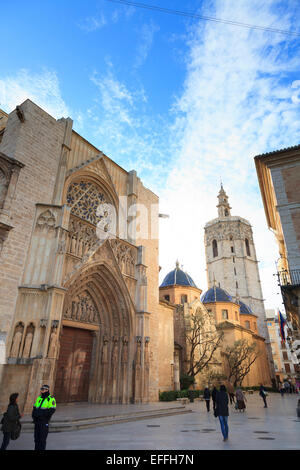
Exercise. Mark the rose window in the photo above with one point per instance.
(85, 200)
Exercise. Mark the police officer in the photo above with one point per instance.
(43, 409)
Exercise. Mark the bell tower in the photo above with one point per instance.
(231, 260)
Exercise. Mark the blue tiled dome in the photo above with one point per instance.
(245, 309)
(216, 294)
(177, 277)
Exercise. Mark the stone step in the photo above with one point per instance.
(65, 424)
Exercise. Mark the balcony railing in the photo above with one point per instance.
(289, 277)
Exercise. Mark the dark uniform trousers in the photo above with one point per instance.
(41, 430)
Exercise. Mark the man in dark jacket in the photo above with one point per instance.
(10, 421)
(214, 394)
(262, 393)
(43, 409)
(222, 411)
(206, 396)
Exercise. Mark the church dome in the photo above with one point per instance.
(216, 294)
(245, 309)
(177, 277)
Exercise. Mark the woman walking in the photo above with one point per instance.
(10, 421)
(222, 411)
(240, 400)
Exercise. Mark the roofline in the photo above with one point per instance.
(274, 152)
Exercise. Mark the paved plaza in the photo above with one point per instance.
(274, 428)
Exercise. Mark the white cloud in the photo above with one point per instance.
(93, 23)
(42, 88)
(236, 103)
(147, 32)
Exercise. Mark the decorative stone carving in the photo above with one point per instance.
(53, 342)
(3, 187)
(81, 238)
(85, 200)
(28, 340)
(125, 350)
(104, 358)
(126, 256)
(46, 220)
(146, 351)
(115, 352)
(225, 230)
(15, 349)
(138, 350)
(82, 309)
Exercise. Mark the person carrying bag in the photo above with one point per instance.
(11, 426)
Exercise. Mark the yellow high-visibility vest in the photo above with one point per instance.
(49, 402)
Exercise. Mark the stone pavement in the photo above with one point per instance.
(276, 427)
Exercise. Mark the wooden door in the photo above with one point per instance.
(73, 367)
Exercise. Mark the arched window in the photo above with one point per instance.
(247, 247)
(226, 212)
(215, 248)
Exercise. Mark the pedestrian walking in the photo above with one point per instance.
(240, 400)
(230, 390)
(206, 396)
(286, 386)
(214, 397)
(42, 412)
(222, 411)
(281, 389)
(11, 426)
(263, 394)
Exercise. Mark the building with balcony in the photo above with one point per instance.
(279, 180)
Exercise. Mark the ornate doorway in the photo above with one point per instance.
(73, 368)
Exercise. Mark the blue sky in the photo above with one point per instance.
(184, 102)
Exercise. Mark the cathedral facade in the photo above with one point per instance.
(79, 279)
(80, 305)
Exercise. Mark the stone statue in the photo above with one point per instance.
(52, 343)
(28, 342)
(17, 341)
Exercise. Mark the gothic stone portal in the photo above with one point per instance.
(96, 341)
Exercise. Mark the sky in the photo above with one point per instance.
(185, 102)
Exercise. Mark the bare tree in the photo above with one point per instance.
(240, 358)
(203, 340)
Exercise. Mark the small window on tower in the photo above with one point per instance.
(215, 248)
(247, 324)
(232, 249)
(183, 299)
(225, 314)
(234, 271)
(226, 212)
(167, 297)
(247, 247)
(236, 285)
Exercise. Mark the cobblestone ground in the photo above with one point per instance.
(276, 427)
